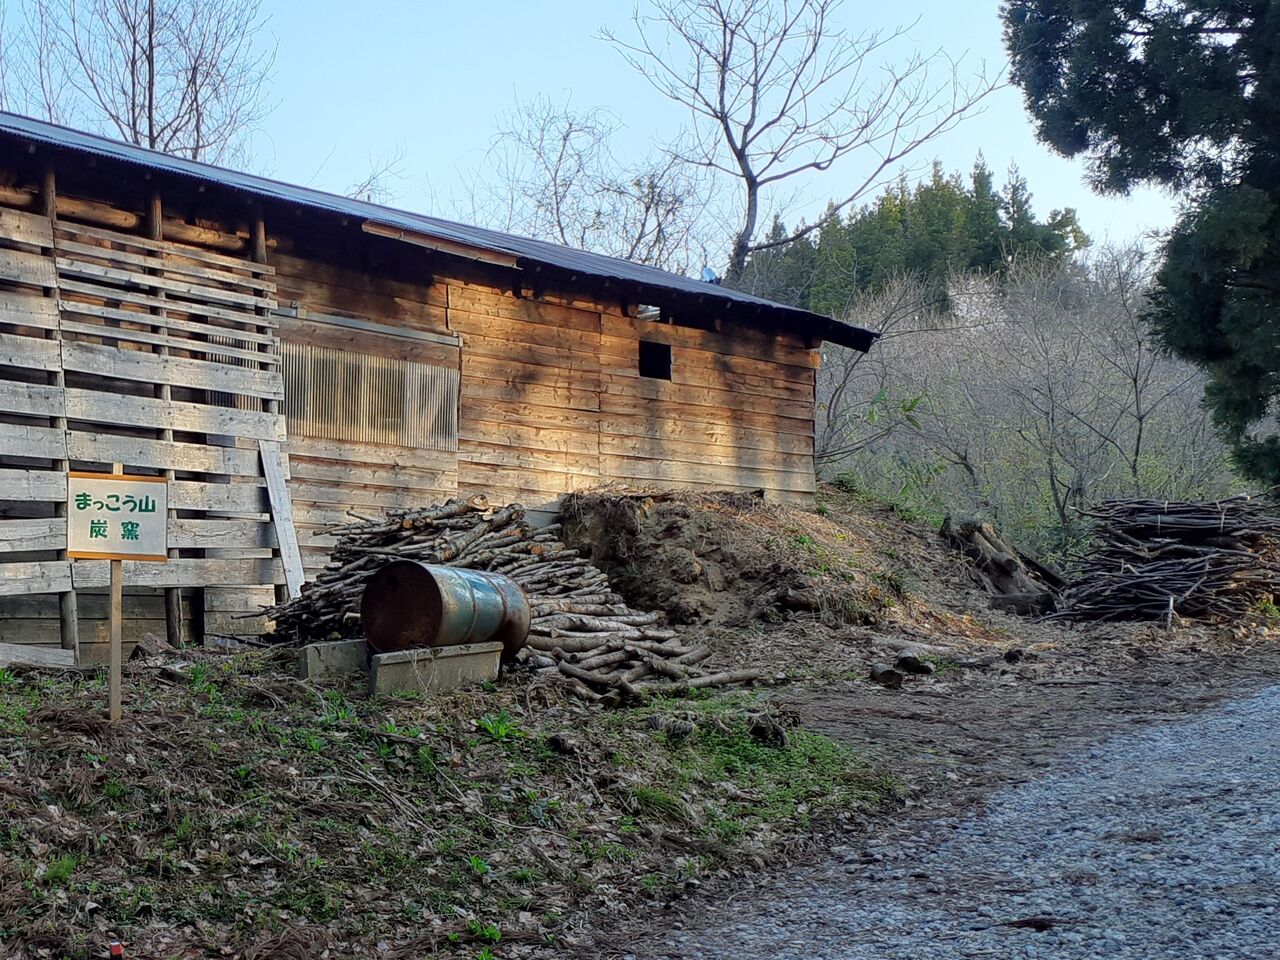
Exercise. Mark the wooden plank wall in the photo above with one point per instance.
(552, 401)
(330, 478)
(737, 413)
(529, 419)
(171, 363)
(33, 447)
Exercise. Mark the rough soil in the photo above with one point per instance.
(1104, 787)
(242, 813)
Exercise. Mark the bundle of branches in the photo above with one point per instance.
(1155, 559)
(581, 630)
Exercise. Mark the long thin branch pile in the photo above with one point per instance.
(581, 630)
(1155, 560)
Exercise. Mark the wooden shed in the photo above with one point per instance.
(186, 320)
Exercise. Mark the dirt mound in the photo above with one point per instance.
(733, 560)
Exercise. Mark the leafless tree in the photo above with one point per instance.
(375, 186)
(1030, 398)
(180, 76)
(555, 176)
(776, 89)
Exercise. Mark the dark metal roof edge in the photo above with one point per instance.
(566, 259)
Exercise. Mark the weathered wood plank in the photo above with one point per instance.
(323, 285)
(18, 266)
(547, 461)
(167, 263)
(163, 340)
(488, 380)
(221, 533)
(742, 342)
(18, 226)
(28, 310)
(164, 246)
(33, 352)
(360, 474)
(31, 399)
(522, 331)
(101, 407)
(520, 357)
(245, 498)
(694, 452)
(381, 498)
(528, 417)
(44, 442)
(764, 437)
(173, 322)
(642, 408)
(93, 632)
(92, 605)
(42, 533)
(521, 435)
(40, 576)
(492, 303)
(33, 485)
(184, 572)
(132, 279)
(92, 447)
(676, 472)
(335, 337)
(282, 515)
(515, 477)
(698, 376)
(22, 655)
(664, 390)
(112, 361)
(231, 600)
(377, 454)
(186, 308)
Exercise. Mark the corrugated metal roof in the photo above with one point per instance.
(525, 250)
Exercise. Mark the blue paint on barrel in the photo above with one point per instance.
(408, 604)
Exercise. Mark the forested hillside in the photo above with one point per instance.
(942, 225)
(1017, 378)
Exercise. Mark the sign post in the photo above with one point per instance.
(117, 517)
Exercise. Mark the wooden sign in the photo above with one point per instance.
(117, 517)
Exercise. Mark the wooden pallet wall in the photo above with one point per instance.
(33, 446)
(170, 363)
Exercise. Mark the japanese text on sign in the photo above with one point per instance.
(117, 517)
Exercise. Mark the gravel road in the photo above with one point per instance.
(1163, 842)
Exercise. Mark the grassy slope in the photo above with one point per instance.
(238, 808)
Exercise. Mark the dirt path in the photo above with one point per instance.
(1039, 790)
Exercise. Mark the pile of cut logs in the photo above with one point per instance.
(1157, 560)
(581, 630)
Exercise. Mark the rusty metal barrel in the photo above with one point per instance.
(412, 604)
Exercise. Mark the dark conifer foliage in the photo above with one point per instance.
(1183, 94)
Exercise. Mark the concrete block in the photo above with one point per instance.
(433, 669)
(330, 661)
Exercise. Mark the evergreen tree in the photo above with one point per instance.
(1184, 94)
(927, 231)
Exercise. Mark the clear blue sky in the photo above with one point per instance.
(355, 82)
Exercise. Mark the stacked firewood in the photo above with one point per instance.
(581, 630)
(1157, 560)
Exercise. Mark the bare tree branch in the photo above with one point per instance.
(775, 89)
(179, 76)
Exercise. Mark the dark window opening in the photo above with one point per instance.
(655, 360)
